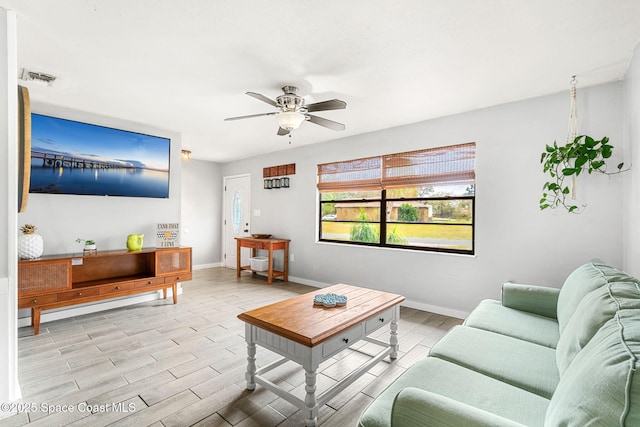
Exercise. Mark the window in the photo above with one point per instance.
(423, 200)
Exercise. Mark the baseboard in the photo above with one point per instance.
(308, 282)
(435, 309)
(79, 310)
(203, 266)
(406, 303)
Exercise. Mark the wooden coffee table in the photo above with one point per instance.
(309, 335)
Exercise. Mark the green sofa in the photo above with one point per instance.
(540, 357)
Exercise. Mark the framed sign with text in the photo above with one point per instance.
(168, 235)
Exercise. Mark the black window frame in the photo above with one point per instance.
(382, 223)
(435, 167)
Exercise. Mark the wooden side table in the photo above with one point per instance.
(269, 245)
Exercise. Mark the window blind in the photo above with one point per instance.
(351, 175)
(454, 164)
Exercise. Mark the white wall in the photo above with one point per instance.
(9, 387)
(61, 219)
(514, 240)
(201, 211)
(631, 236)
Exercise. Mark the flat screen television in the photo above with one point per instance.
(70, 157)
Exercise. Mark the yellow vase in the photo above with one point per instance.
(135, 241)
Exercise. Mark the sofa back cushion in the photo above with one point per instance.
(593, 311)
(600, 386)
(580, 282)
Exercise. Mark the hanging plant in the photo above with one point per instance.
(560, 162)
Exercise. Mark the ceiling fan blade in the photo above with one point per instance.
(282, 132)
(249, 116)
(263, 98)
(326, 122)
(332, 104)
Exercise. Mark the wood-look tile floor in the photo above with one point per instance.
(161, 364)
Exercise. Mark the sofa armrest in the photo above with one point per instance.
(415, 407)
(540, 300)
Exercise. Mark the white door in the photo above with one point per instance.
(236, 218)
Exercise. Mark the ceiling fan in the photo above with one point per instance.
(292, 111)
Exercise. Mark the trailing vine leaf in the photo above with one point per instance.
(580, 161)
(571, 159)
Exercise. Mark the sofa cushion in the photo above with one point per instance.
(580, 282)
(461, 384)
(593, 311)
(522, 364)
(491, 315)
(601, 387)
(541, 300)
(419, 408)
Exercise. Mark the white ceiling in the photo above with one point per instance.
(185, 65)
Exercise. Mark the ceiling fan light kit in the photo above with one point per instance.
(290, 120)
(292, 111)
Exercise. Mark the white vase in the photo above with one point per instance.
(30, 246)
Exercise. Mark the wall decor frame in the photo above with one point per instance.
(24, 147)
(276, 176)
(81, 158)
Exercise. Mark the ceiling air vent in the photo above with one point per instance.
(38, 78)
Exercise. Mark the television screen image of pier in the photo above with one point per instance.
(56, 160)
(69, 157)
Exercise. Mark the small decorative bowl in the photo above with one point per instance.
(261, 236)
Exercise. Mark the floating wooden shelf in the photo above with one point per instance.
(282, 170)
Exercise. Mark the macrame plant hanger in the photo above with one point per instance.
(573, 127)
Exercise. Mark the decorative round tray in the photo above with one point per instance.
(330, 300)
(261, 236)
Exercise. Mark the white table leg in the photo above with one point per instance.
(251, 359)
(393, 339)
(311, 416)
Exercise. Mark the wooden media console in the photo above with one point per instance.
(56, 281)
